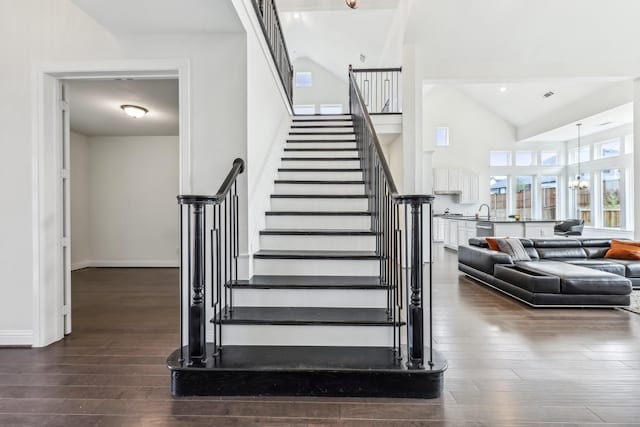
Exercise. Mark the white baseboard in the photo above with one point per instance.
(80, 265)
(127, 264)
(16, 337)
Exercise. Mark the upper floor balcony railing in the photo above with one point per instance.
(381, 89)
(270, 22)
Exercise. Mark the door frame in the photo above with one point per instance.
(47, 307)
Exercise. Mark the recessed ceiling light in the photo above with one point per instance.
(296, 15)
(606, 123)
(134, 111)
(503, 89)
(548, 94)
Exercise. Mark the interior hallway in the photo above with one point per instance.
(508, 365)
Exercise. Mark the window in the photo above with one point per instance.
(549, 158)
(303, 79)
(442, 137)
(583, 201)
(585, 154)
(524, 186)
(499, 158)
(609, 149)
(524, 158)
(304, 109)
(330, 108)
(611, 198)
(549, 196)
(498, 190)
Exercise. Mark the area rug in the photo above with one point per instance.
(634, 307)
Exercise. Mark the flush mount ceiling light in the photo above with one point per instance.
(503, 89)
(134, 111)
(353, 4)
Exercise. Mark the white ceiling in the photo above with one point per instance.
(523, 102)
(95, 107)
(329, 37)
(153, 16)
(340, 5)
(597, 123)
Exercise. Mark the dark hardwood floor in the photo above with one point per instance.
(509, 365)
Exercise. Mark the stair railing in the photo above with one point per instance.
(272, 29)
(398, 242)
(381, 89)
(208, 261)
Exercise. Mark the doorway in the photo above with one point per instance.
(53, 230)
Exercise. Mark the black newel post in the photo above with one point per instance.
(415, 309)
(197, 321)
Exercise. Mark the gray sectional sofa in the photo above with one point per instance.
(562, 272)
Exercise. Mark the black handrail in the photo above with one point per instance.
(211, 249)
(269, 18)
(387, 207)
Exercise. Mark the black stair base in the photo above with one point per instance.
(306, 371)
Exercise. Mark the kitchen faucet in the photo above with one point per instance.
(488, 210)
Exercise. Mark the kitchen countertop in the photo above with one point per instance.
(494, 220)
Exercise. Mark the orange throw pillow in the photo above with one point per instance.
(493, 243)
(621, 249)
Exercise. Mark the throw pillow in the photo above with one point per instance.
(493, 243)
(514, 248)
(624, 250)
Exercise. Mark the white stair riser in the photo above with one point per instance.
(316, 267)
(321, 145)
(304, 118)
(320, 205)
(321, 164)
(298, 154)
(318, 243)
(311, 222)
(319, 188)
(324, 176)
(350, 137)
(310, 298)
(311, 123)
(322, 129)
(313, 335)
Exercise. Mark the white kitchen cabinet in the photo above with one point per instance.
(440, 180)
(454, 180)
(438, 229)
(470, 188)
(452, 236)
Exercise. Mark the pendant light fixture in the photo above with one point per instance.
(353, 4)
(579, 183)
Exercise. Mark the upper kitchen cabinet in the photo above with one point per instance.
(458, 182)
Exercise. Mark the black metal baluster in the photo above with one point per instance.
(430, 285)
(181, 207)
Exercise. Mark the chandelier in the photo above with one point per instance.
(578, 183)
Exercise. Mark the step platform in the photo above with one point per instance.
(305, 371)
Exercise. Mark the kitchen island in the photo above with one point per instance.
(457, 230)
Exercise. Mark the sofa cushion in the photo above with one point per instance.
(600, 265)
(631, 268)
(591, 242)
(579, 280)
(514, 248)
(561, 252)
(556, 243)
(596, 252)
(624, 250)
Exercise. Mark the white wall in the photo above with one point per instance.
(123, 201)
(133, 214)
(327, 87)
(80, 191)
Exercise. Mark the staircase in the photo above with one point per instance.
(318, 318)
